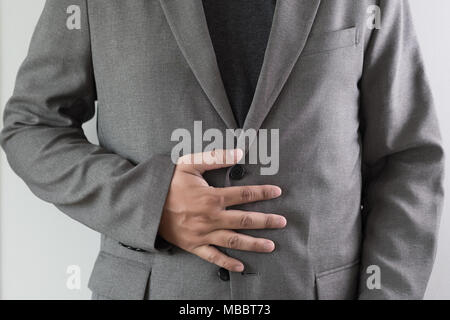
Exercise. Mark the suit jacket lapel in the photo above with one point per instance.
(292, 24)
(188, 23)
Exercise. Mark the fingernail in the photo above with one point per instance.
(276, 192)
(282, 222)
(269, 246)
(238, 268)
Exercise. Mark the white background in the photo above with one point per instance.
(38, 243)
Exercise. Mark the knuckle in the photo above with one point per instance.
(212, 258)
(226, 264)
(203, 226)
(247, 194)
(268, 221)
(196, 229)
(190, 244)
(220, 201)
(233, 242)
(211, 200)
(266, 193)
(246, 221)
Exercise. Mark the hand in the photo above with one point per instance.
(195, 217)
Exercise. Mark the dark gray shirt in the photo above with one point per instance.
(239, 32)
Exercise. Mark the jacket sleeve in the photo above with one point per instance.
(45, 144)
(402, 161)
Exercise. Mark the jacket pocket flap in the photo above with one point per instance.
(331, 40)
(339, 283)
(119, 278)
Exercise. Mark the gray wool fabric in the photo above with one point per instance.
(361, 160)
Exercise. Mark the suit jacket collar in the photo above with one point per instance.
(188, 23)
(292, 24)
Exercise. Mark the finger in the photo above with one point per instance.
(233, 240)
(211, 160)
(214, 256)
(246, 194)
(237, 219)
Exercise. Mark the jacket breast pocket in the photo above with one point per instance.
(339, 283)
(118, 278)
(329, 41)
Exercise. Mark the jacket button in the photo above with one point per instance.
(237, 172)
(223, 274)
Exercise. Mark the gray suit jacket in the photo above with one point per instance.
(361, 162)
